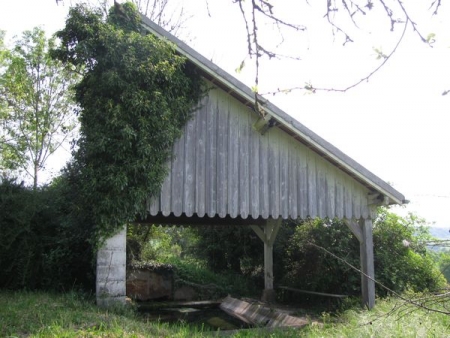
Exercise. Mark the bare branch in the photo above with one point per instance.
(331, 10)
(277, 20)
(313, 89)
(436, 4)
(408, 18)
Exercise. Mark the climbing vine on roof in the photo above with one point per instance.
(135, 96)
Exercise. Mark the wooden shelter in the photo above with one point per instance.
(234, 165)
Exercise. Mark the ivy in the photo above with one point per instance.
(136, 95)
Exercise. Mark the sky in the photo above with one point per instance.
(396, 124)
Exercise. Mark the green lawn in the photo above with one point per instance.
(37, 314)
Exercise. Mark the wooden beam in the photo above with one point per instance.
(376, 199)
(367, 264)
(312, 292)
(263, 124)
(259, 232)
(275, 224)
(269, 232)
(354, 228)
(194, 220)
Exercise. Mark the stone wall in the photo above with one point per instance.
(143, 285)
(147, 282)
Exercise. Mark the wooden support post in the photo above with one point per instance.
(362, 230)
(268, 266)
(367, 264)
(268, 235)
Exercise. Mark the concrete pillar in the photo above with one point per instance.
(111, 270)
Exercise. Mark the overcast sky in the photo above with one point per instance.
(396, 124)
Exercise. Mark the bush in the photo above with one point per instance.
(146, 242)
(230, 248)
(443, 259)
(401, 260)
(309, 268)
(41, 245)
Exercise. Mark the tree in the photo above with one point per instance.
(135, 96)
(160, 12)
(165, 13)
(36, 102)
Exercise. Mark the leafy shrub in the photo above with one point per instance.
(146, 242)
(309, 268)
(443, 259)
(401, 260)
(135, 97)
(401, 257)
(41, 245)
(230, 248)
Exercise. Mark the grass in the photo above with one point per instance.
(38, 314)
(387, 319)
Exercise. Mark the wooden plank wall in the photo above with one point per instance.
(222, 167)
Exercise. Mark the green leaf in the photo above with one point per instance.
(135, 97)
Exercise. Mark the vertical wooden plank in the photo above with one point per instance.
(222, 159)
(264, 176)
(200, 161)
(302, 183)
(365, 212)
(211, 156)
(312, 185)
(166, 189)
(339, 196)
(177, 181)
(274, 173)
(254, 173)
(367, 264)
(348, 202)
(331, 191)
(321, 188)
(356, 200)
(284, 176)
(244, 158)
(189, 168)
(154, 205)
(233, 162)
(293, 182)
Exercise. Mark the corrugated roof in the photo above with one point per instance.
(284, 121)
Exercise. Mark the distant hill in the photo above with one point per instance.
(441, 233)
